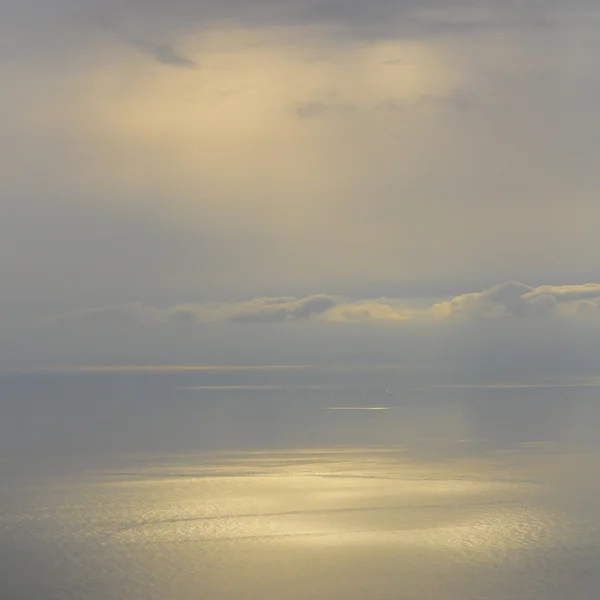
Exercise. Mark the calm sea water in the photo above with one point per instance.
(297, 483)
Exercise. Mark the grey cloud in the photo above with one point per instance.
(162, 51)
(586, 308)
(511, 298)
(313, 306)
(183, 315)
(257, 310)
(366, 18)
(281, 309)
(519, 300)
(566, 293)
(377, 331)
(166, 55)
(506, 300)
(43, 25)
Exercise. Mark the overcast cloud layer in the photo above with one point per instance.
(370, 164)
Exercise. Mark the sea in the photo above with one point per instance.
(297, 482)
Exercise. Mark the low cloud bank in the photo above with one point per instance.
(508, 300)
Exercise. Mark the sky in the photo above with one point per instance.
(290, 181)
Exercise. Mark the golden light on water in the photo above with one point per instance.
(350, 497)
(324, 523)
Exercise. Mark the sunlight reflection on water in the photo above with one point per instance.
(132, 488)
(254, 524)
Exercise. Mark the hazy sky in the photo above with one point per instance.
(293, 180)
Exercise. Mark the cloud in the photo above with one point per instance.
(41, 28)
(508, 300)
(567, 293)
(281, 309)
(257, 310)
(343, 163)
(517, 300)
(377, 18)
(166, 55)
(162, 51)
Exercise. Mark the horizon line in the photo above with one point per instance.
(148, 368)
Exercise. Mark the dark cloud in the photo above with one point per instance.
(154, 43)
(356, 15)
(166, 55)
(160, 24)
